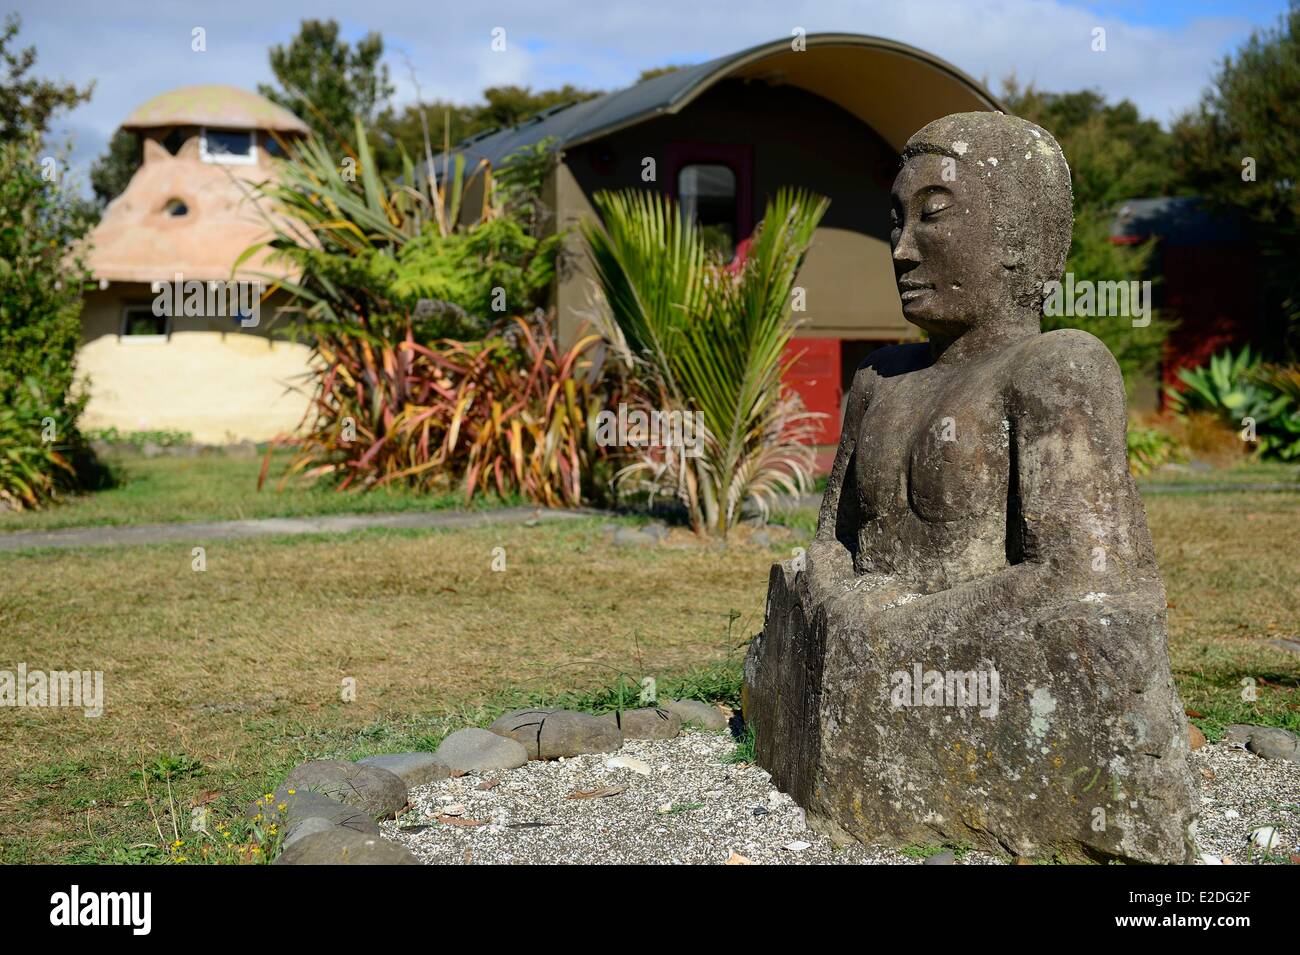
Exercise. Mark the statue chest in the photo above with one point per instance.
(934, 448)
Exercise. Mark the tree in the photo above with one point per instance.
(326, 81)
(110, 173)
(1241, 147)
(1114, 154)
(41, 278)
(27, 103)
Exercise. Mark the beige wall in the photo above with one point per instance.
(219, 382)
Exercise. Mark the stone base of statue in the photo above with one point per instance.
(1051, 734)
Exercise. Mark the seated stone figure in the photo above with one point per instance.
(973, 649)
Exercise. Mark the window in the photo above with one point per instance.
(707, 193)
(228, 146)
(175, 208)
(140, 324)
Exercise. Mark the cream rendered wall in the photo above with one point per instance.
(220, 385)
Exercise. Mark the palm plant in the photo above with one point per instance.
(709, 338)
(330, 221)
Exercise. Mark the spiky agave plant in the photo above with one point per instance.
(710, 339)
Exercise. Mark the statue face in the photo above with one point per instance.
(946, 258)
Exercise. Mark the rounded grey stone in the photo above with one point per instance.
(345, 847)
(414, 769)
(550, 734)
(473, 750)
(308, 826)
(947, 857)
(650, 722)
(1271, 742)
(375, 790)
(302, 805)
(693, 711)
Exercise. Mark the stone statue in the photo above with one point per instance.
(973, 649)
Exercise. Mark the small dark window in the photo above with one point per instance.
(139, 321)
(273, 147)
(176, 207)
(707, 192)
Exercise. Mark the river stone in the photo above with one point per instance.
(345, 847)
(1272, 742)
(414, 769)
(973, 648)
(302, 805)
(309, 826)
(693, 711)
(377, 791)
(646, 723)
(550, 734)
(475, 750)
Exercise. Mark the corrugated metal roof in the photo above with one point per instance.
(663, 94)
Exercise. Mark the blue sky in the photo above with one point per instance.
(1160, 54)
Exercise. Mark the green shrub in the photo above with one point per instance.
(41, 452)
(1148, 448)
(1241, 391)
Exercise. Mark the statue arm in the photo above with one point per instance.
(829, 559)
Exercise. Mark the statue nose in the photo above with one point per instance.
(905, 253)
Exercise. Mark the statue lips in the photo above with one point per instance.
(909, 290)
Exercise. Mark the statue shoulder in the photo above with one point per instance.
(1069, 359)
(1070, 369)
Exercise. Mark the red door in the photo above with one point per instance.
(815, 375)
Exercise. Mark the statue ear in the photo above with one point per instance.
(155, 151)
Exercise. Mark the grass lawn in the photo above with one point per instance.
(216, 683)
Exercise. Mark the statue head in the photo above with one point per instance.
(982, 217)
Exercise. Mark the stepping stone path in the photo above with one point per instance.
(328, 807)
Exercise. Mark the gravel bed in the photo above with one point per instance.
(695, 808)
(1244, 794)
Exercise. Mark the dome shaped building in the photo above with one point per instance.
(157, 357)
